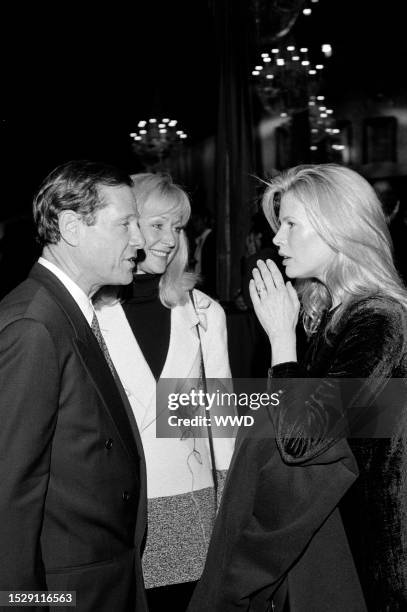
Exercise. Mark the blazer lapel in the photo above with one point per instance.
(92, 358)
(136, 376)
(183, 350)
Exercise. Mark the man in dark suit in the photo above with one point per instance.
(72, 472)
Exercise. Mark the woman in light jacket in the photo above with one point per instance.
(152, 334)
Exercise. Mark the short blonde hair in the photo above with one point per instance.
(176, 280)
(346, 212)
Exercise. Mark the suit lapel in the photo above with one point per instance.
(92, 358)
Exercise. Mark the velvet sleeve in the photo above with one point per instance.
(314, 413)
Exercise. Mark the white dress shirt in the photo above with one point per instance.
(76, 292)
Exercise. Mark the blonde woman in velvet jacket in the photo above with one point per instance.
(322, 523)
(152, 334)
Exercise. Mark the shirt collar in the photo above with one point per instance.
(75, 291)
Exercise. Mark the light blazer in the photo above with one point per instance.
(72, 472)
(182, 362)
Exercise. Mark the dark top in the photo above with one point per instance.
(149, 320)
(355, 386)
(208, 282)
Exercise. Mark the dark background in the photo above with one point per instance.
(76, 81)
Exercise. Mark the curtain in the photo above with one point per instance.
(235, 159)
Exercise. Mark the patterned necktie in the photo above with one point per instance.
(101, 341)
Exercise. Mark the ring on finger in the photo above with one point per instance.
(261, 289)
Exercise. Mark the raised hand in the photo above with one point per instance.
(277, 306)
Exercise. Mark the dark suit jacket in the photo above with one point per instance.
(72, 471)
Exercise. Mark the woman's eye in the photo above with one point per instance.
(290, 223)
(157, 225)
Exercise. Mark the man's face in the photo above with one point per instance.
(107, 248)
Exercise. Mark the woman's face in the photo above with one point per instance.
(305, 254)
(161, 230)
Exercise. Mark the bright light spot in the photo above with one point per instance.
(326, 50)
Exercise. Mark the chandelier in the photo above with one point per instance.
(156, 139)
(285, 79)
(325, 132)
(322, 121)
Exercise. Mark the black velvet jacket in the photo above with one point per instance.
(279, 534)
(357, 386)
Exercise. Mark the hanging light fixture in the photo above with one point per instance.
(325, 134)
(156, 139)
(285, 78)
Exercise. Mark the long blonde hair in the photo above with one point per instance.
(346, 212)
(176, 280)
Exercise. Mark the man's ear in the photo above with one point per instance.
(69, 226)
